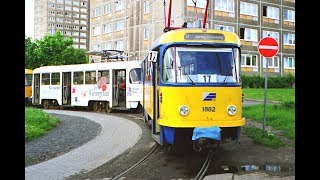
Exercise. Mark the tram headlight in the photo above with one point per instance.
(232, 110)
(184, 110)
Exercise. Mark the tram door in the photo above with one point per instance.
(36, 89)
(119, 88)
(66, 89)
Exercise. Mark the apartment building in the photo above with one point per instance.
(133, 25)
(70, 17)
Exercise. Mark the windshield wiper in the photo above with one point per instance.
(190, 79)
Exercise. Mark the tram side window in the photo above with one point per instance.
(168, 67)
(78, 78)
(135, 76)
(55, 78)
(45, 79)
(28, 79)
(104, 74)
(90, 77)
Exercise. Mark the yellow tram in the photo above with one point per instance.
(191, 79)
(28, 85)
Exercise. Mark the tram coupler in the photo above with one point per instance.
(206, 138)
(205, 143)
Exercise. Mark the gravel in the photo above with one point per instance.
(70, 134)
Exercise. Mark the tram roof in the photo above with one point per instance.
(28, 71)
(176, 36)
(90, 67)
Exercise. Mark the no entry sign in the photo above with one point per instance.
(268, 47)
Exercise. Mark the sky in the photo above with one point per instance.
(29, 18)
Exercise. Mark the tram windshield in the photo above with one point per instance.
(200, 65)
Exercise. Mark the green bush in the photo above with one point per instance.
(257, 81)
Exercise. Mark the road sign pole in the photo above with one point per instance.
(265, 97)
(267, 47)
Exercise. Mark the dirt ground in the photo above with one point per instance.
(184, 163)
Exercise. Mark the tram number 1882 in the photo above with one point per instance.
(208, 109)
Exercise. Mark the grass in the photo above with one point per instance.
(282, 95)
(278, 116)
(38, 123)
(268, 138)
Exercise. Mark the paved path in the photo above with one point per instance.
(116, 136)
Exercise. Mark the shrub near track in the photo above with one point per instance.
(38, 123)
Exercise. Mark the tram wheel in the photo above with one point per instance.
(108, 109)
(46, 104)
(95, 106)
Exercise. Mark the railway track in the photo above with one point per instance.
(137, 164)
(205, 166)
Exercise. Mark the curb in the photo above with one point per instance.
(259, 100)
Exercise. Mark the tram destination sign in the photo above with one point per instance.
(204, 36)
(268, 47)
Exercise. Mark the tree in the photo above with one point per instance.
(53, 49)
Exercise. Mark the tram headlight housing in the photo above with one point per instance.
(184, 110)
(232, 110)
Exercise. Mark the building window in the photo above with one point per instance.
(51, 5)
(107, 46)
(223, 27)
(248, 9)
(75, 9)
(224, 5)
(107, 28)
(83, 35)
(146, 33)
(84, 22)
(272, 34)
(120, 25)
(68, 8)
(68, 2)
(119, 5)
(289, 39)
(289, 15)
(270, 12)
(96, 12)
(199, 4)
(68, 33)
(288, 63)
(96, 47)
(248, 60)
(118, 45)
(107, 9)
(146, 7)
(249, 34)
(272, 62)
(95, 31)
(76, 3)
(83, 40)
